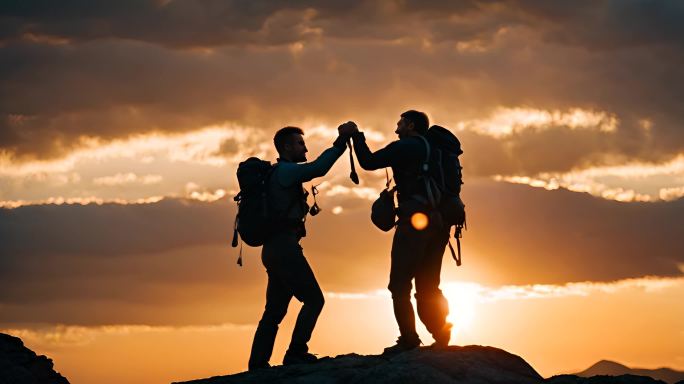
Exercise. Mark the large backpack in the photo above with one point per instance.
(252, 220)
(441, 173)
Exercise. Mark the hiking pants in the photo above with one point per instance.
(289, 274)
(418, 255)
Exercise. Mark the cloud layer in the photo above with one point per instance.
(166, 66)
(170, 262)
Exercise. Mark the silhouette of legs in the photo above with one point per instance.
(433, 307)
(289, 274)
(405, 248)
(418, 254)
(306, 289)
(278, 297)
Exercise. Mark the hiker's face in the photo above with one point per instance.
(404, 128)
(297, 148)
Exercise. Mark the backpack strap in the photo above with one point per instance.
(424, 169)
(453, 254)
(234, 243)
(457, 235)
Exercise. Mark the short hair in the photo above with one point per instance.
(283, 136)
(419, 119)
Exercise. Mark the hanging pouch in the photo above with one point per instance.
(383, 211)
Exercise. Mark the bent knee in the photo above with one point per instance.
(315, 301)
(318, 301)
(272, 319)
(400, 291)
(429, 294)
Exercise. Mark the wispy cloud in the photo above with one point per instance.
(127, 178)
(59, 200)
(649, 182)
(69, 335)
(508, 121)
(469, 291)
(200, 146)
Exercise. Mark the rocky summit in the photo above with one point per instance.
(20, 365)
(469, 364)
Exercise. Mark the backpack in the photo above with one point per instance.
(252, 220)
(441, 173)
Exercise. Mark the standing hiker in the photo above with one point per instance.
(289, 273)
(418, 245)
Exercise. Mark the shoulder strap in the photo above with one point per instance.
(426, 162)
(426, 176)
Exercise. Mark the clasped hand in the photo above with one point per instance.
(347, 129)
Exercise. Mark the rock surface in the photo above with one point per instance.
(465, 365)
(20, 365)
(470, 364)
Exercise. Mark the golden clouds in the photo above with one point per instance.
(633, 181)
(508, 121)
(139, 168)
(127, 178)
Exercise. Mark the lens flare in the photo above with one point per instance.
(419, 221)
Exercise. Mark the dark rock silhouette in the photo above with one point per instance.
(470, 364)
(20, 365)
(606, 367)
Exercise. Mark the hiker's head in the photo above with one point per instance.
(412, 123)
(289, 143)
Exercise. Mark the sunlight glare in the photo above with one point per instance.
(463, 298)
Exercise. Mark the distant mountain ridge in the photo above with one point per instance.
(611, 368)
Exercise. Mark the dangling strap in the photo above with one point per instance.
(389, 179)
(235, 232)
(234, 243)
(239, 260)
(453, 254)
(353, 175)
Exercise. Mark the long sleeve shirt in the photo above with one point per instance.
(405, 156)
(290, 173)
(286, 190)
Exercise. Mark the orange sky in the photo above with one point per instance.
(556, 332)
(121, 126)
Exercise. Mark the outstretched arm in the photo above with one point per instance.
(293, 173)
(367, 159)
(395, 153)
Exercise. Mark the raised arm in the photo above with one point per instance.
(293, 173)
(395, 153)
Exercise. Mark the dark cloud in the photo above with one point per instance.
(179, 23)
(229, 147)
(109, 230)
(170, 262)
(608, 24)
(132, 67)
(187, 23)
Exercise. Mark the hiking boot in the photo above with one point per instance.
(402, 345)
(442, 337)
(299, 358)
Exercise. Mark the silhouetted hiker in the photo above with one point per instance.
(289, 274)
(416, 254)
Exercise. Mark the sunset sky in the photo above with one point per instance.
(122, 123)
